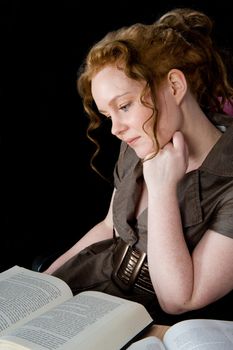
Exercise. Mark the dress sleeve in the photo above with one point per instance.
(223, 220)
(119, 167)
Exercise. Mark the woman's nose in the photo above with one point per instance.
(117, 126)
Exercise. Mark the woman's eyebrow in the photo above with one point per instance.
(113, 100)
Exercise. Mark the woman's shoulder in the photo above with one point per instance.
(127, 163)
(127, 155)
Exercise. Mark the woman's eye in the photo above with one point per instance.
(125, 108)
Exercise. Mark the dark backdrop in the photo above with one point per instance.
(49, 195)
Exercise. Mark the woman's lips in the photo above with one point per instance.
(130, 142)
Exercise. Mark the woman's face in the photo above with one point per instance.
(118, 97)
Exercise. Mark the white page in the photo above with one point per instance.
(200, 335)
(25, 294)
(118, 321)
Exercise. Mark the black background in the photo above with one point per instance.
(49, 195)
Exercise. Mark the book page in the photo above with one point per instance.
(200, 334)
(88, 321)
(148, 343)
(25, 294)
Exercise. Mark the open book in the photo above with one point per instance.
(196, 334)
(39, 312)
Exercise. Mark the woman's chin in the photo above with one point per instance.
(145, 155)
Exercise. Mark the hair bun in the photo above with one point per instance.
(187, 20)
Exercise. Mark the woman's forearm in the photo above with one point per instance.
(170, 263)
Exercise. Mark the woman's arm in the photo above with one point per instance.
(182, 282)
(103, 230)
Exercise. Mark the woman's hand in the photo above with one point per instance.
(169, 165)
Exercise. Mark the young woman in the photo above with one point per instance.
(167, 238)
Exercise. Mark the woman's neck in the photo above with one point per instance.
(201, 135)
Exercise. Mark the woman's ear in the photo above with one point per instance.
(177, 84)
